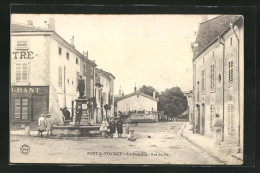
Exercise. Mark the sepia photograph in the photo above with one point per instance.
(162, 89)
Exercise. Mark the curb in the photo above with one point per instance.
(210, 152)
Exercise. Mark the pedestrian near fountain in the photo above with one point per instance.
(78, 116)
(48, 123)
(103, 128)
(112, 127)
(41, 125)
(119, 127)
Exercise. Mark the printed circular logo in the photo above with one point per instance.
(25, 149)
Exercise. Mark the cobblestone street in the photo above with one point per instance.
(157, 143)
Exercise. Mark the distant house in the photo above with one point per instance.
(139, 104)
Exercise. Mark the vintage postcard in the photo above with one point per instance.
(127, 89)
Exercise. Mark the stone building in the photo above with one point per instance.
(218, 77)
(44, 73)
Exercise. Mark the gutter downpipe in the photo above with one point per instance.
(238, 44)
(223, 72)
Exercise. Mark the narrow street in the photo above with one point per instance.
(157, 143)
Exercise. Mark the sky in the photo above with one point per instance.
(149, 50)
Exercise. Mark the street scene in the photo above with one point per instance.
(127, 89)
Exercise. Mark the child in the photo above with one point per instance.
(48, 124)
(131, 136)
(41, 125)
(119, 127)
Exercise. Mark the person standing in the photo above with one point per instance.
(78, 115)
(218, 123)
(112, 127)
(103, 128)
(119, 127)
(41, 125)
(48, 125)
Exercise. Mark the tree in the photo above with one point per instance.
(172, 102)
(149, 90)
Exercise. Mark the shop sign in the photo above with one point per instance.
(23, 55)
(29, 90)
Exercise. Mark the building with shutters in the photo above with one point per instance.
(44, 72)
(218, 77)
(104, 94)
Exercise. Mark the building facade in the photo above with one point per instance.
(104, 93)
(189, 96)
(44, 73)
(218, 77)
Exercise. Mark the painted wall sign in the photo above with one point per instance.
(23, 55)
(29, 90)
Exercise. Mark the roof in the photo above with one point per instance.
(137, 93)
(210, 30)
(105, 73)
(17, 27)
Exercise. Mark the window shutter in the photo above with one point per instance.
(231, 129)
(18, 72)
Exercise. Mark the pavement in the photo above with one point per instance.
(157, 143)
(225, 152)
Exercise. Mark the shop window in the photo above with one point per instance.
(230, 128)
(21, 109)
(212, 77)
(231, 71)
(60, 51)
(60, 76)
(21, 73)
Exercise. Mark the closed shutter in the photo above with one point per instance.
(18, 73)
(231, 129)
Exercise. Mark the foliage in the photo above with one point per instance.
(149, 90)
(172, 102)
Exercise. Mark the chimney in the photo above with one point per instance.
(72, 41)
(154, 94)
(135, 87)
(51, 25)
(204, 18)
(30, 23)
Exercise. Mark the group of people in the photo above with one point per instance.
(44, 124)
(110, 127)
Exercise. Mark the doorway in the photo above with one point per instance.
(39, 106)
(203, 120)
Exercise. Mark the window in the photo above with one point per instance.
(140, 106)
(127, 107)
(230, 71)
(91, 71)
(202, 80)
(213, 54)
(212, 77)
(60, 51)
(21, 72)
(198, 91)
(85, 66)
(230, 128)
(22, 45)
(21, 108)
(60, 76)
(68, 55)
(77, 61)
(231, 41)
(212, 115)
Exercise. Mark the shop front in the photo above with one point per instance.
(27, 103)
